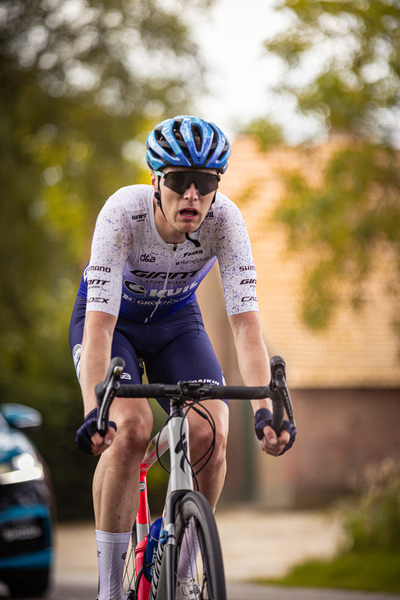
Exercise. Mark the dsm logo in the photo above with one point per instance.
(150, 258)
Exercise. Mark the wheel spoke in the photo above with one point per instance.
(129, 578)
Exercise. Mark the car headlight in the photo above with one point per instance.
(23, 467)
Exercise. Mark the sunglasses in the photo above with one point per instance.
(180, 181)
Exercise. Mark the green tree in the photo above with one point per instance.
(341, 67)
(81, 82)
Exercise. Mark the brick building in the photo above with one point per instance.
(344, 381)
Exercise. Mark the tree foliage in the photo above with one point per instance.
(267, 132)
(341, 61)
(81, 83)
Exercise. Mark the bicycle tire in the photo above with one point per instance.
(194, 510)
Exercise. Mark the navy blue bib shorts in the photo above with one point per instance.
(174, 348)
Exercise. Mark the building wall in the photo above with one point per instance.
(344, 380)
(340, 433)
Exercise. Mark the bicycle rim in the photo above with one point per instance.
(198, 556)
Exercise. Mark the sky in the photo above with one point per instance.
(239, 73)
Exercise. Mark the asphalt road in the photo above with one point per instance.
(81, 587)
(253, 543)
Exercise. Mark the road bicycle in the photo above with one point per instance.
(188, 540)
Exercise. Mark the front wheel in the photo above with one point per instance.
(198, 564)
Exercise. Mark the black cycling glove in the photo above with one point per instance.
(262, 418)
(87, 430)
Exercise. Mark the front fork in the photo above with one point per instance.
(165, 562)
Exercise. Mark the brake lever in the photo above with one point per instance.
(279, 385)
(106, 392)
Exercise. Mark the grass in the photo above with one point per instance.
(372, 571)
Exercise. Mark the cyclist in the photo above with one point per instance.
(152, 246)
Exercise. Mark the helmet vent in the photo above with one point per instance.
(197, 137)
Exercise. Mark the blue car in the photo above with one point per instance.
(26, 526)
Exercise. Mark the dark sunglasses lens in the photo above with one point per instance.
(180, 181)
(175, 181)
(207, 183)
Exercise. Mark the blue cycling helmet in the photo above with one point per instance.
(187, 142)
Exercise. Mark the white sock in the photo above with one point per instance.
(111, 553)
(189, 550)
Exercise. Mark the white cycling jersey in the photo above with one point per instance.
(134, 273)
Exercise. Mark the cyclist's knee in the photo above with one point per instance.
(203, 438)
(134, 430)
(218, 458)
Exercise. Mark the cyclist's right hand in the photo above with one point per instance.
(89, 440)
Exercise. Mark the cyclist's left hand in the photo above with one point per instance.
(270, 442)
(273, 445)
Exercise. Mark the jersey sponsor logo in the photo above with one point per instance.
(99, 268)
(100, 300)
(147, 258)
(248, 281)
(95, 268)
(139, 216)
(249, 299)
(213, 381)
(190, 261)
(100, 282)
(179, 275)
(76, 357)
(135, 288)
(165, 301)
(193, 253)
(247, 268)
(210, 215)
(174, 292)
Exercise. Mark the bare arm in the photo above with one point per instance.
(255, 370)
(251, 352)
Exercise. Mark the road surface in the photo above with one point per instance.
(81, 587)
(254, 543)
